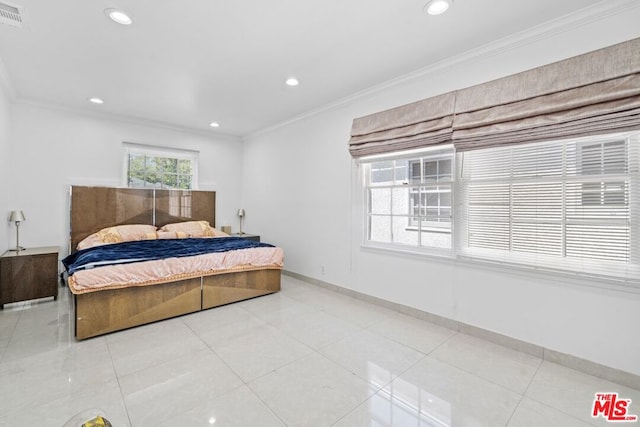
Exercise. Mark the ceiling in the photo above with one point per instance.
(188, 63)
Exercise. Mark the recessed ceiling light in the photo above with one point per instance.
(437, 7)
(292, 81)
(214, 124)
(118, 16)
(96, 100)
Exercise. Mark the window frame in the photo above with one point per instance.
(630, 276)
(430, 153)
(130, 148)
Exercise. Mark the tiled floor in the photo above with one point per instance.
(303, 357)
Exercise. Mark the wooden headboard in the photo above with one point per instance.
(94, 208)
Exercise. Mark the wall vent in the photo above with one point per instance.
(11, 15)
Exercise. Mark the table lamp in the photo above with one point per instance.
(241, 215)
(17, 217)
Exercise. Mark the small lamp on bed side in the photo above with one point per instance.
(17, 217)
(241, 215)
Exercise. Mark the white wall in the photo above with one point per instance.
(4, 168)
(299, 193)
(51, 149)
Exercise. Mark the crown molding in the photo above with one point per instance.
(132, 120)
(582, 17)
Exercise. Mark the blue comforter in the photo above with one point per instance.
(149, 250)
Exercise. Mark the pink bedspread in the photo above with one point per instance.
(165, 270)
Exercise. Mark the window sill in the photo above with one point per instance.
(429, 230)
(440, 254)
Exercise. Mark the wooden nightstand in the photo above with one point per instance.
(247, 236)
(28, 274)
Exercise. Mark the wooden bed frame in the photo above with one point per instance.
(104, 311)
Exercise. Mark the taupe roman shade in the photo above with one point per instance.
(415, 125)
(594, 93)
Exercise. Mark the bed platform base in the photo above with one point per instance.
(101, 312)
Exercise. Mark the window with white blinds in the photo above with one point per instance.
(567, 205)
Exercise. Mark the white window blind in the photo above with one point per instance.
(568, 205)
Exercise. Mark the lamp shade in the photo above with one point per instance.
(241, 213)
(16, 216)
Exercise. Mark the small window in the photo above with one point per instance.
(156, 167)
(409, 200)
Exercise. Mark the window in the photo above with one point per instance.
(431, 204)
(569, 205)
(156, 167)
(409, 199)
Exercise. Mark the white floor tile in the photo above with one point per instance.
(64, 358)
(153, 333)
(573, 392)
(269, 303)
(313, 391)
(219, 336)
(452, 396)
(401, 410)
(415, 333)
(41, 341)
(288, 314)
(534, 414)
(133, 350)
(372, 357)
(168, 389)
(8, 322)
(291, 286)
(204, 321)
(238, 408)
(261, 351)
(49, 316)
(60, 409)
(509, 368)
(319, 298)
(313, 328)
(361, 314)
(25, 391)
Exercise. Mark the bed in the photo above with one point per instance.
(125, 300)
